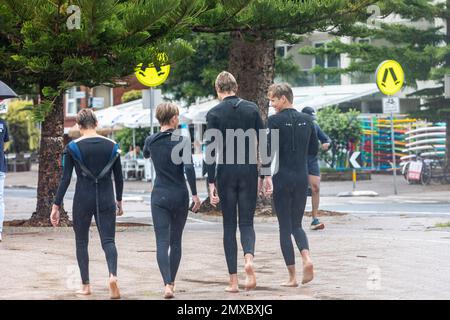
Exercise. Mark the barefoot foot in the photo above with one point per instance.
(113, 288)
(168, 292)
(290, 283)
(250, 280)
(308, 272)
(85, 290)
(232, 289)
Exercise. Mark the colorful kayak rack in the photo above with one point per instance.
(411, 137)
(426, 140)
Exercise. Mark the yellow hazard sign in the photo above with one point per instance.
(390, 77)
(151, 75)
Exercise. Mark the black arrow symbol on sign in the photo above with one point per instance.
(383, 83)
(385, 75)
(394, 76)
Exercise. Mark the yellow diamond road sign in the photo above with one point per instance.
(152, 76)
(390, 77)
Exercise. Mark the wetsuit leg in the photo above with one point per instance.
(81, 225)
(161, 223)
(282, 197)
(178, 222)
(298, 210)
(107, 230)
(247, 194)
(228, 194)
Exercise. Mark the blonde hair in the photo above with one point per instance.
(278, 90)
(226, 82)
(86, 119)
(165, 111)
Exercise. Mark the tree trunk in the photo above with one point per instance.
(50, 156)
(252, 62)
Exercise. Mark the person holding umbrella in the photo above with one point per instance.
(5, 93)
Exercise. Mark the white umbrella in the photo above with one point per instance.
(6, 92)
(197, 113)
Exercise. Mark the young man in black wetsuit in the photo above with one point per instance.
(297, 140)
(314, 171)
(237, 172)
(94, 158)
(170, 196)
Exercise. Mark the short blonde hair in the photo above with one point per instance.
(165, 111)
(86, 119)
(226, 82)
(278, 90)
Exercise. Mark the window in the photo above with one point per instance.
(283, 49)
(358, 76)
(73, 101)
(330, 60)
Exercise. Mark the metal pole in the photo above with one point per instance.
(134, 144)
(152, 102)
(372, 150)
(394, 165)
(354, 180)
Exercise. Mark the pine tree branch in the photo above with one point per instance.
(248, 28)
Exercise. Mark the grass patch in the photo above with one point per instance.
(442, 225)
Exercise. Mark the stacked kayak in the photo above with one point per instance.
(426, 141)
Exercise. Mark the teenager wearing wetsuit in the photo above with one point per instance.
(314, 171)
(170, 196)
(297, 140)
(237, 181)
(94, 157)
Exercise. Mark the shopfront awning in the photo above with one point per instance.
(316, 97)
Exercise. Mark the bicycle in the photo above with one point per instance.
(433, 168)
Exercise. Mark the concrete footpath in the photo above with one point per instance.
(355, 257)
(379, 255)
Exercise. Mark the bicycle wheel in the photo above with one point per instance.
(425, 176)
(446, 176)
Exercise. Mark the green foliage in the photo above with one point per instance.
(422, 50)
(266, 19)
(342, 128)
(131, 95)
(125, 138)
(280, 19)
(194, 76)
(24, 136)
(40, 55)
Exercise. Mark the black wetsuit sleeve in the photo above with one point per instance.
(190, 174)
(118, 179)
(313, 147)
(211, 123)
(188, 164)
(147, 148)
(266, 166)
(65, 179)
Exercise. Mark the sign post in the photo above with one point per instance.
(355, 163)
(390, 78)
(150, 99)
(392, 105)
(354, 160)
